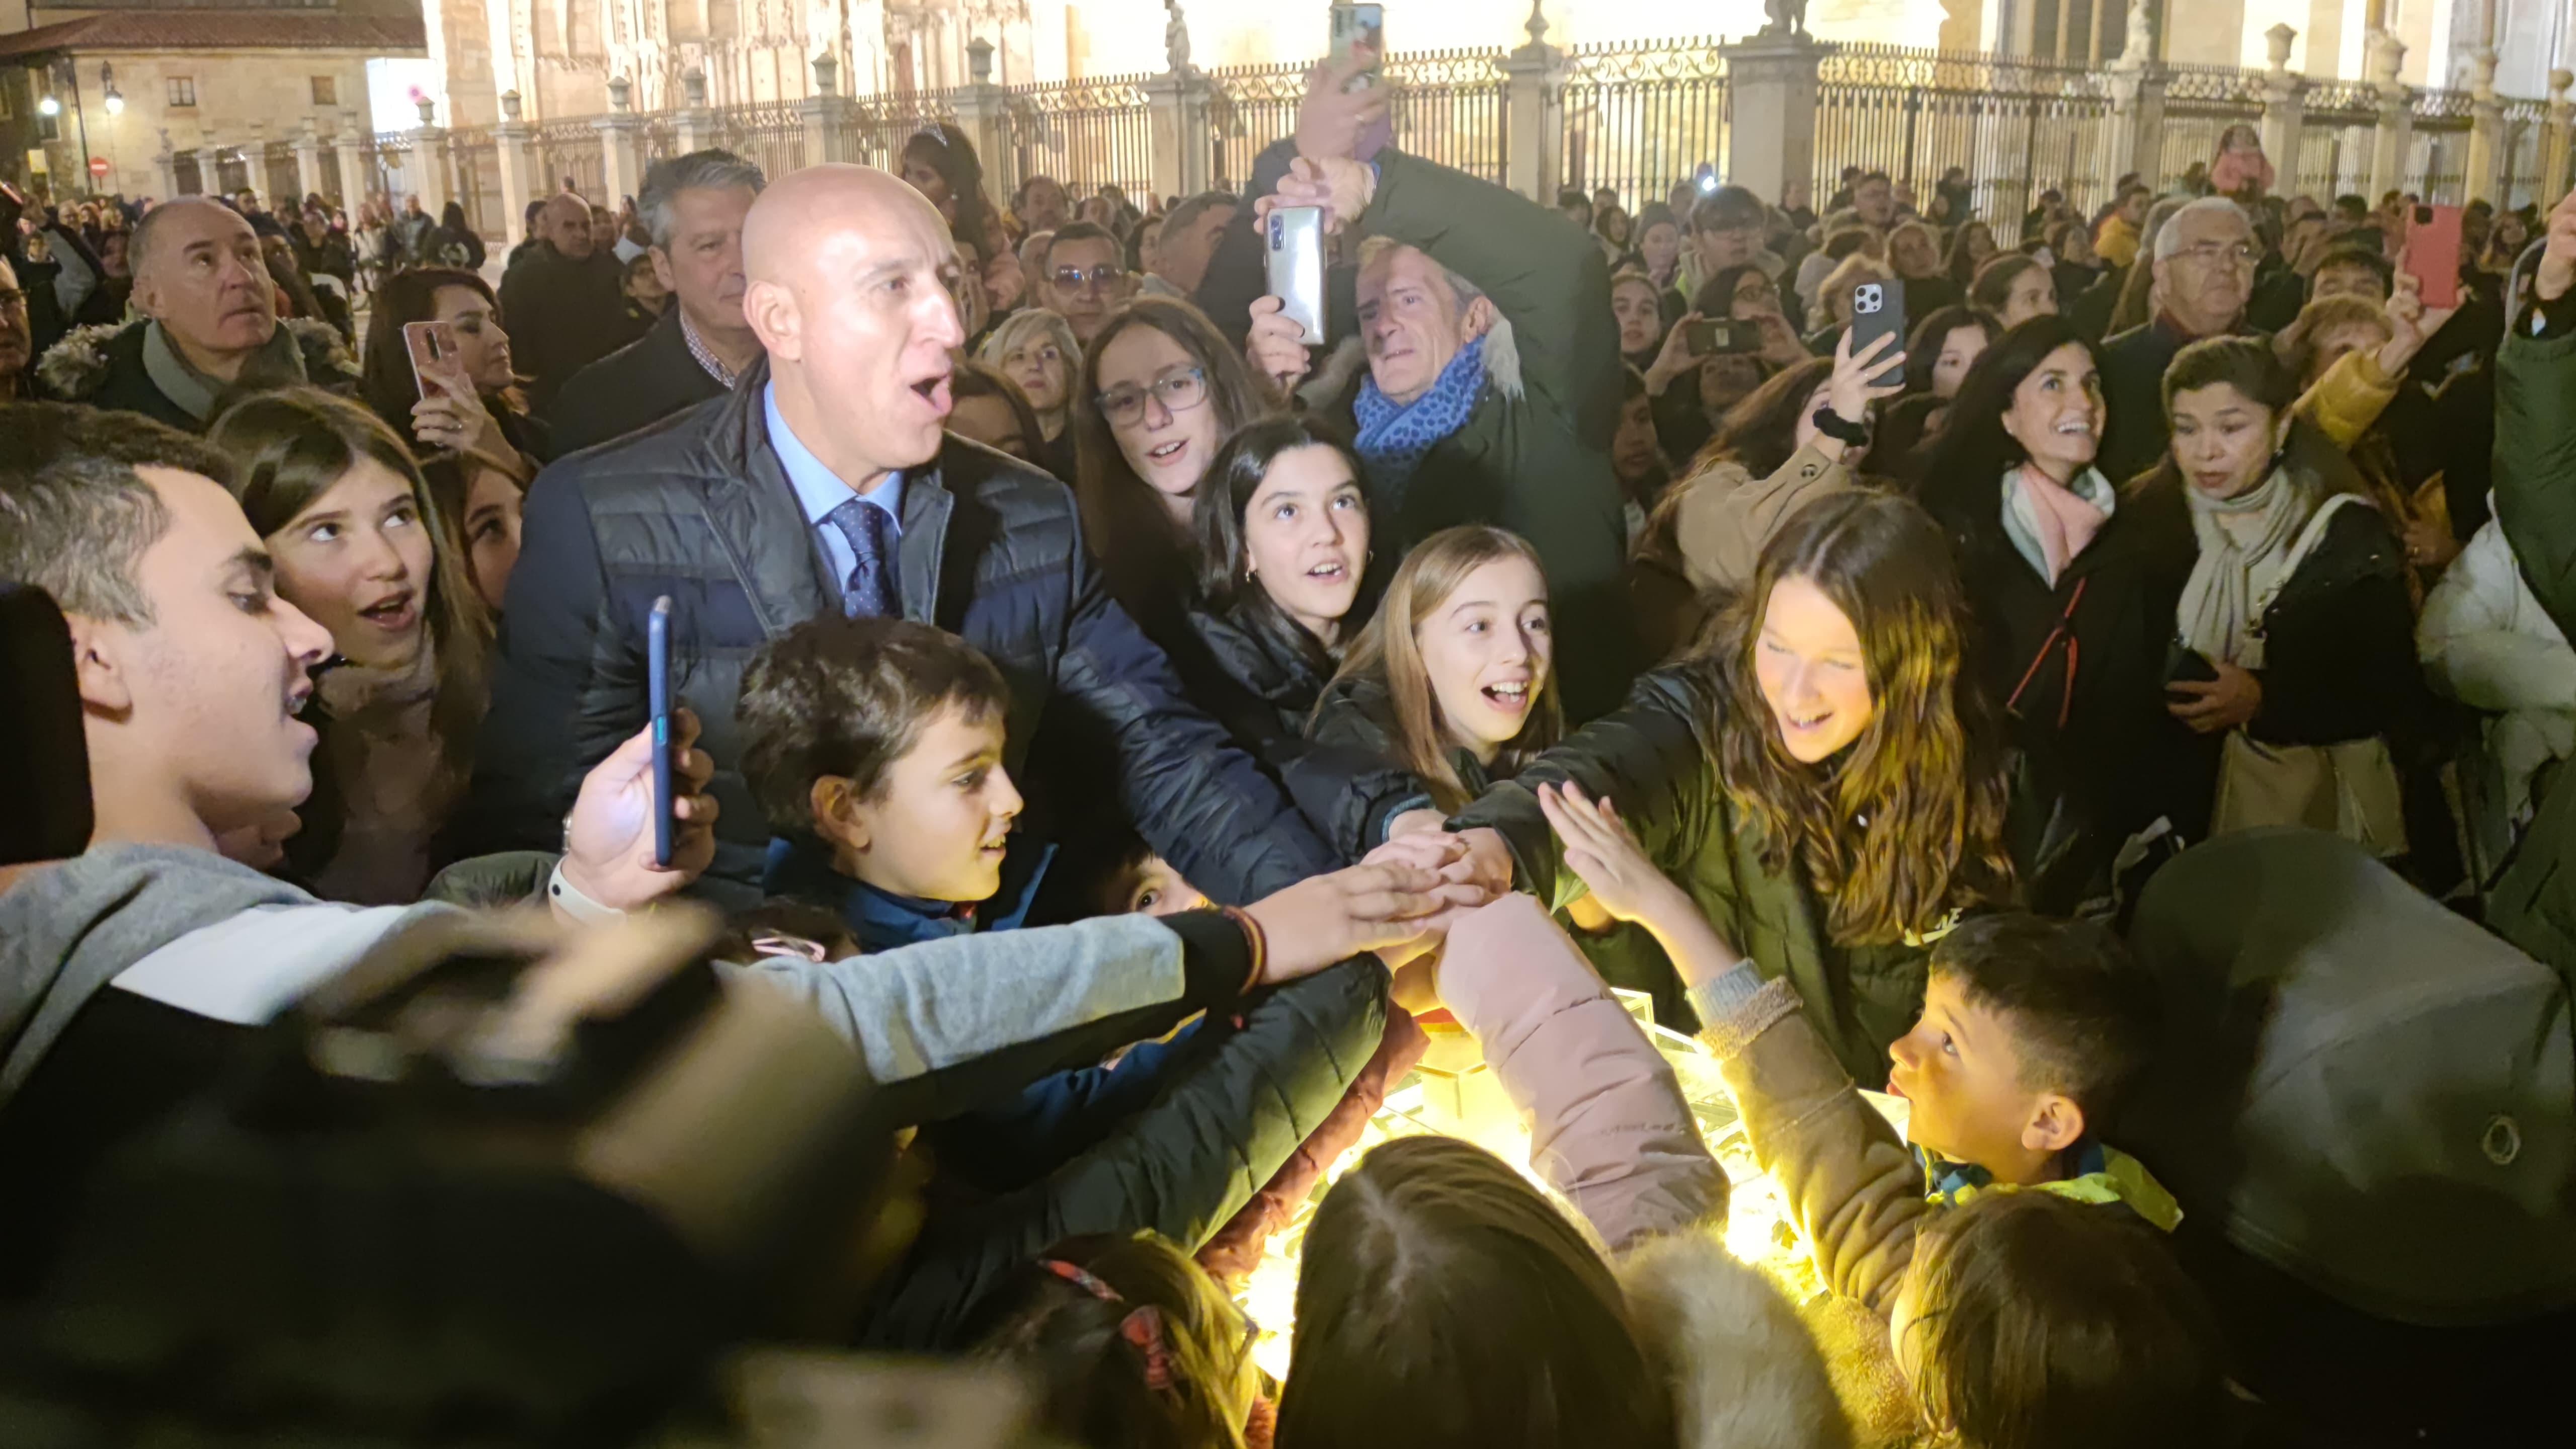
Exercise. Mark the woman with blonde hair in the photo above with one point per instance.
(362, 548)
(1036, 349)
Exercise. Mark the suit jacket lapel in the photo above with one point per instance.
(761, 528)
(926, 506)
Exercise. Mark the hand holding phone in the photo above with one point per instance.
(2432, 254)
(1877, 310)
(1294, 237)
(657, 670)
(432, 347)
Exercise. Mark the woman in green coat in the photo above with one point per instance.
(1823, 778)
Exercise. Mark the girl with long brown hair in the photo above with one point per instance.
(1823, 779)
(363, 548)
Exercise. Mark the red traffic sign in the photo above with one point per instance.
(98, 166)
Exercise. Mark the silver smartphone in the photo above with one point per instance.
(1296, 241)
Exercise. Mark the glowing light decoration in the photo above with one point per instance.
(1454, 1094)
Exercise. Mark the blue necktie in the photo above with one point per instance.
(871, 589)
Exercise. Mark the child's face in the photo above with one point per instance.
(1154, 888)
(1959, 1070)
(938, 828)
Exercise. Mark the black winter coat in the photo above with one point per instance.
(699, 508)
(562, 316)
(634, 387)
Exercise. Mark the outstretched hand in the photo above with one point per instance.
(1385, 906)
(1276, 344)
(1342, 187)
(1332, 118)
(1857, 380)
(608, 843)
(1600, 849)
(2410, 323)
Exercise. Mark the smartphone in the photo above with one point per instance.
(657, 674)
(1722, 337)
(1361, 28)
(2186, 665)
(1878, 310)
(432, 346)
(44, 750)
(2432, 254)
(1296, 249)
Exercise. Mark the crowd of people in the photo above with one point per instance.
(1598, 608)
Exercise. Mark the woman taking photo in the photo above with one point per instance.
(1160, 391)
(475, 406)
(1035, 348)
(361, 548)
(2295, 638)
(1821, 780)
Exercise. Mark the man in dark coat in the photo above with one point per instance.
(694, 206)
(210, 330)
(565, 302)
(824, 481)
(2204, 276)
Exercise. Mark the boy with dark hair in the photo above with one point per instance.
(874, 747)
(2031, 1029)
(2350, 269)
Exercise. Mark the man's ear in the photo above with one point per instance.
(662, 269)
(2156, 271)
(771, 310)
(1478, 320)
(836, 813)
(99, 664)
(2055, 1124)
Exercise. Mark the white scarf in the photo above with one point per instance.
(2217, 616)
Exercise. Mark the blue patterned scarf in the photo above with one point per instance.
(1394, 437)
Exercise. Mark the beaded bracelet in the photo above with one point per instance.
(1253, 937)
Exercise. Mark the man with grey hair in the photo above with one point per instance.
(209, 330)
(565, 302)
(694, 207)
(1190, 235)
(2204, 277)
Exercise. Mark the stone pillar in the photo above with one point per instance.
(2395, 136)
(983, 113)
(2134, 141)
(425, 165)
(1771, 85)
(1177, 131)
(165, 168)
(2285, 109)
(355, 179)
(2486, 130)
(1534, 114)
(2554, 138)
(694, 129)
(308, 159)
(827, 130)
(621, 145)
(514, 158)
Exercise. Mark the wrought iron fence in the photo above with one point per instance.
(771, 137)
(1449, 108)
(1249, 107)
(2015, 125)
(1096, 132)
(2523, 146)
(880, 125)
(381, 163)
(1644, 115)
(476, 159)
(570, 150)
(280, 183)
(2437, 160)
(2201, 103)
(2337, 132)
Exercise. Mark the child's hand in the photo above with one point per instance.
(1599, 848)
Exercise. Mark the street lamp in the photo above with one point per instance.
(49, 107)
(115, 97)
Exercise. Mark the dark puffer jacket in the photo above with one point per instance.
(699, 508)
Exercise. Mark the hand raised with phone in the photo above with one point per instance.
(608, 842)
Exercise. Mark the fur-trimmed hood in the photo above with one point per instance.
(1339, 376)
(79, 365)
(1744, 1371)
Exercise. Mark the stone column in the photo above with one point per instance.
(425, 164)
(2396, 118)
(354, 176)
(308, 159)
(694, 129)
(2486, 130)
(983, 113)
(1177, 131)
(2554, 138)
(2285, 109)
(826, 116)
(1771, 85)
(1534, 114)
(2134, 141)
(165, 168)
(513, 157)
(621, 145)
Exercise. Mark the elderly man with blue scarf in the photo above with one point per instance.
(1492, 388)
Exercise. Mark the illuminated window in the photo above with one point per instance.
(182, 91)
(326, 90)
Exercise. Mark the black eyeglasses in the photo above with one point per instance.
(1179, 391)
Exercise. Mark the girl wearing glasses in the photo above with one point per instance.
(1160, 390)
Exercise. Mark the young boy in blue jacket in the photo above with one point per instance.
(874, 747)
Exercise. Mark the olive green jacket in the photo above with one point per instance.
(2533, 904)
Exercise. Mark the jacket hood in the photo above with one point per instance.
(1744, 1371)
(78, 364)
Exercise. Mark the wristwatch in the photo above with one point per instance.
(1832, 425)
